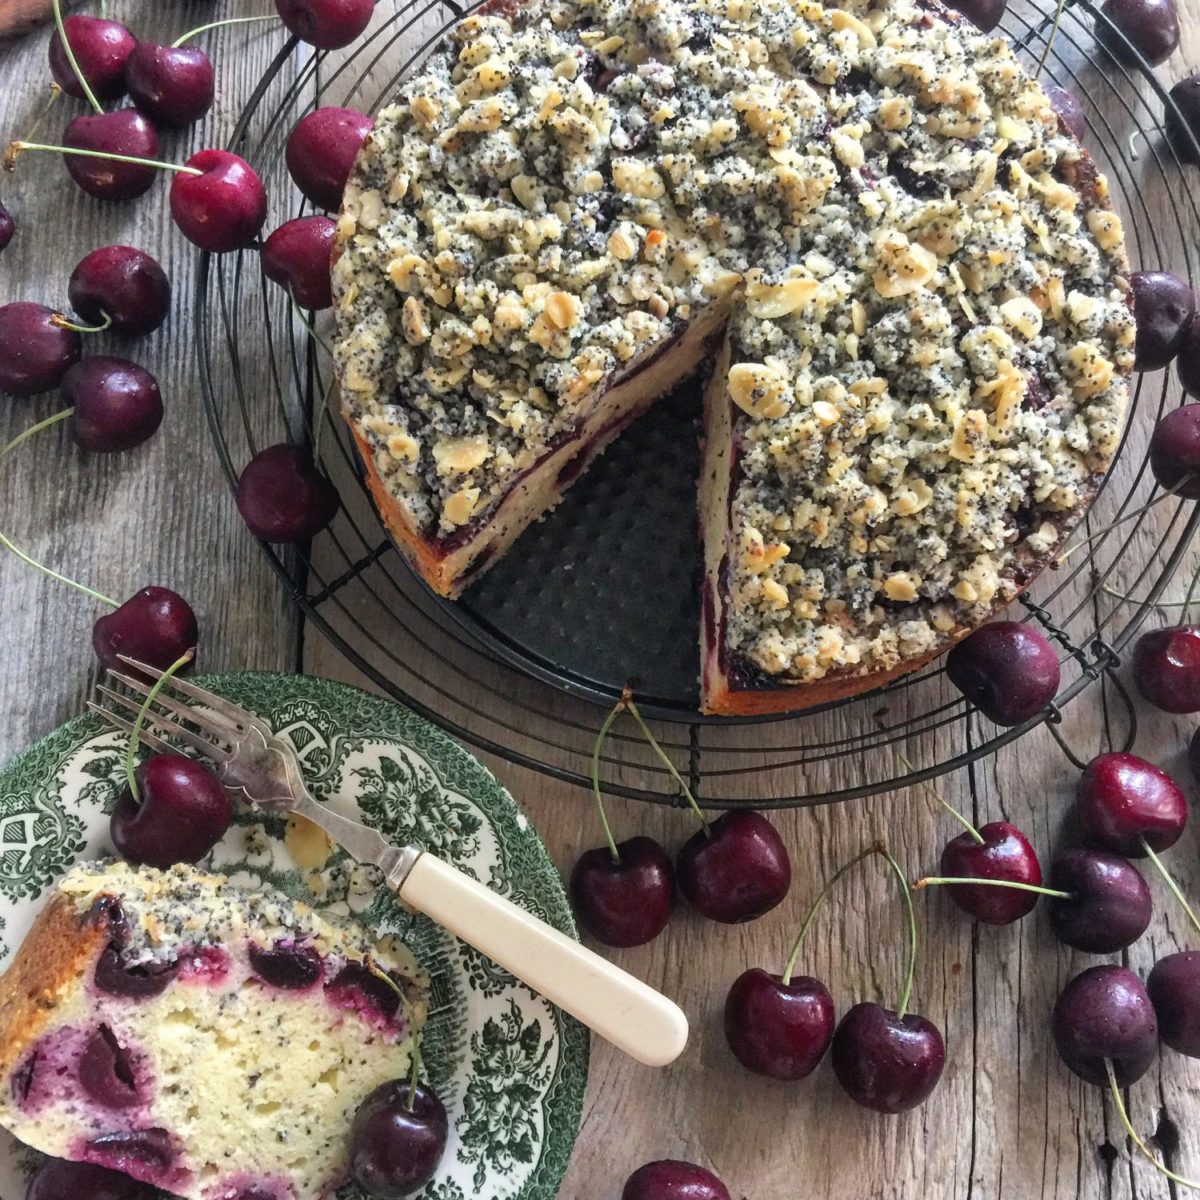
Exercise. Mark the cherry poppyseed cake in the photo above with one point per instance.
(209, 1040)
(863, 221)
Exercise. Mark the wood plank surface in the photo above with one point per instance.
(1008, 1121)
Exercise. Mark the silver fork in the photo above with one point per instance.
(263, 769)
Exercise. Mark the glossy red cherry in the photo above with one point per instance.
(8, 227)
(1151, 26)
(1188, 362)
(101, 48)
(1166, 668)
(1164, 306)
(672, 1179)
(1005, 853)
(1183, 118)
(283, 497)
(181, 813)
(124, 285)
(1175, 451)
(1174, 990)
(1105, 1012)
(1008, 670)
(1070, 111)
(223, 208)
(735, 871)
(173, 85)
(397, 1140)
(1110, 905)
(57, 1179)
(154, 626)
(984, 14)
(780, 1030)
(886, 1062)
(326, 24)
(123, 131)
(1122, 799)
(117, 404)
(297, 257)
(34, 351)
(625, 903)
(321, 150)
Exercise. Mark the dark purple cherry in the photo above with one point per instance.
(57, 1179)
(321, 150)
(326, 24)
(155, 626)
(1009, 671)
(1150, 26)
(778, 1029)
(297, 257)
(105, 1071)
(361, 982)
(1005, 853)
(736, 870)
(1175, 450)
(122, 131)
(887, 1062)
(224, 207)
(292, 968)
(117, 404)
(1110, 905)
(101, 48)
(672, 1179)
(181, 813)
(138, 981)
(1164, 306)
(1188, 363)
(1104, 1012)
(34, 351)
(1122, 799)
(1166, 668)
(1070, 111)
(625, 903)
(984, 14)
(283, 497)
(136, 1150)
(122, 284)
(1174, 990)
(173, 85)
(7, 227)
(397, 1139)
(1194, 755)
(1183, 118)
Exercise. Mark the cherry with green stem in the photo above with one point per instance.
(88, 56)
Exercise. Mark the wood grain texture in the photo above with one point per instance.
(1008, 1122)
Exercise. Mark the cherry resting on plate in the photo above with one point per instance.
(1008, 670)
(116, 403)
(1104, 1012)
(326, 24)
(123, 285)
(156, 626)
(1175, 450)
(222, 208)
(283, 497)
(887, 1062)
(672, 1179)
(101, 48)
(321, 150)
(1174, 989)
(297, 257)
(1123, 801)
(735, 869)
(1164, 306)
(625, 902)
(1152, 26)
(1166, 668)
(1110, 905)
(395, 1147)
(35, 352)
(1004, 853)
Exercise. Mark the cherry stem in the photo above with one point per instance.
(1169, 879)
(55, 93)
(1129, 516)
(1058, 15)
(135, 733)
(908, 766)
(308, 325)
(62, 321)
(191, 33)
(627, 698)
(906, 994)
(600, 738)
(414, 1075)
(318, 417)
(938, 880)
(17, 148)
(815, 906)
(1143, 1149)
(70, 53)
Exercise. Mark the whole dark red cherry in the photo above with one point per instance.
(1175, 451)
(101, 48)
(395, 1145)
(326, 24)
(1122, 800)
(117, 404)
(122, 131)
(297, 257)
(1070, 111)
(673, 1179)
(1008, 670)
(624, 903)
(1166, 668)
(7, 227)
(736, 870)
(1183, 118)
(283, 497)
(1151, 26)
(223, 208)
(123, 284)
(57, 1179)
(1105, 1012)
(1194, 755)
(1005, 853)
(887, 1062)
(182, 812)
(780, 1030)
(1110, 905)
(321, 150)
(984, 14)
(1164, 306)
(1188, 362)
(1174, 989)
(173, 85)
(35, 353)
(155, 626)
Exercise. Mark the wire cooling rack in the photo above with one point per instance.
(266, 376)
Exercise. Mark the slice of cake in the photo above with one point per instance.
(209, 1040)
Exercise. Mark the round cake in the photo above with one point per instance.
(865, 223)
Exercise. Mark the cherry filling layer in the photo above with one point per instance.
(146, 1154)
(90, 1065)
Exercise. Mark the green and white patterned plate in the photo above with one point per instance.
(509, 1067)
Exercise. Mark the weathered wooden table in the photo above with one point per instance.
(1007, 1121)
